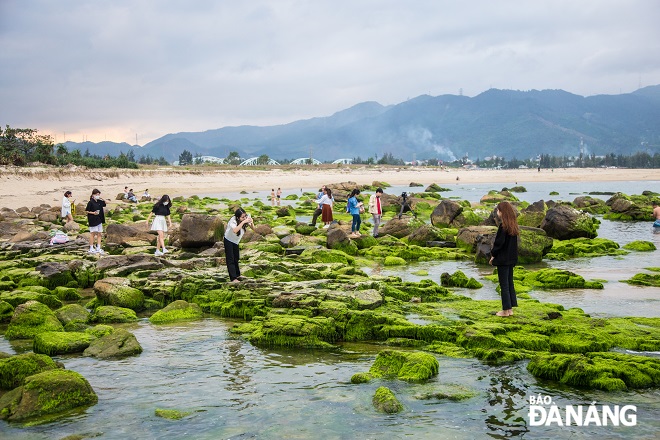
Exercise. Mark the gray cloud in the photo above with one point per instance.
(118, 68)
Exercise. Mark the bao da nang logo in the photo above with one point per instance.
(544, 412)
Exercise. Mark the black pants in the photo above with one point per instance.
(317, 212)
(232, 256)
(508, 291)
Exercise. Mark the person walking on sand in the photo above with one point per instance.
(272, 197)
(234, 231)
(656, 214)
(319, 207)
(376, 209)
(326, 207)
(162, 221)
(67, 206)
(279, 196)
(504, 255)
(354, 207)
(95, 218)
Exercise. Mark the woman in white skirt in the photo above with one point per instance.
(162, 221)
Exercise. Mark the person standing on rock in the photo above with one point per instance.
(95, 218)
(319, 208)
(354, 208)
(326, 207)
(376, 209)
(162, 221)
(67, 206)
(504, 255)
(234, 231)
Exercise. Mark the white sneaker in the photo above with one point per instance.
(158, 253)
(165, 251)
(326, 226)
(100, 251)
(92, 251)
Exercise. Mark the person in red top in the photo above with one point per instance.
(375, 209)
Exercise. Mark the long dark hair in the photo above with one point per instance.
(162, 200)
(67, 193)
(354, 193)
(508, 216)
(239, 212)
(94, 192)
(328, 192)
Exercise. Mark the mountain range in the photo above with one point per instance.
(505, 123)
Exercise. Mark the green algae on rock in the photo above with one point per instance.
(644, 279)
(171, 414)
(112, 314)
(30, 319)
(583, 247)
(52, 343)
(47, 393)
(14, 369)
(409, 366)
(118, 344)
(459, 279)
(640, 246)
(605, 371)
(385, 401)
(178, 310)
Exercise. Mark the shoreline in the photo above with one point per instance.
(31, 187)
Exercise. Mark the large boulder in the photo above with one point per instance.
(564, 222)
(47, 393)
(14, 369)
(120, 343)
(54, 274)
(533, 215)
(115, 291)
(124, 234)
(30, 319)
(426, 233)
(338, 239)
(533, 243)
(397, 228)
(445, 213)
(179, 310)
(199, 230)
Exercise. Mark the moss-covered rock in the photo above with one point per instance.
(6, 311)
(118, 292)
(52, 343)
(112, 314)
(118, 344)
(385, 401)
(408, 366)
(30, 319)
(459, 279)
(177, 311)
(72, 313)
(605, 371)
(394, 261)
(47, 393)
(583, 247)
(294, 331)
(171, 414)
(644, 279)
(16, 368)
(17, 297)
(640, 246)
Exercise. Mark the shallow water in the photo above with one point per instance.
(235, 390)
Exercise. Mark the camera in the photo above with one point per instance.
(404, 194)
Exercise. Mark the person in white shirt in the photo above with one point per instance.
(66, 207)
(234, 231)
(326, 207)
(376, 209)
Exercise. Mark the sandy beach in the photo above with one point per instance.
(34, 186)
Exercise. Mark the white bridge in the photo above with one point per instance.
(305, 161)
(343, 161)
(255, 161)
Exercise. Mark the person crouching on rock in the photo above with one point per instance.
(234, 231)
(95, 218)
(162, 220)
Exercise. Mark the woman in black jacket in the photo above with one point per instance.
(504, 255)
(96, 218)
(161, 222)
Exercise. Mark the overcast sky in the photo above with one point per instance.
(108, 70)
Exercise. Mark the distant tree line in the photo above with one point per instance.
(637, 160)
(21, 146)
